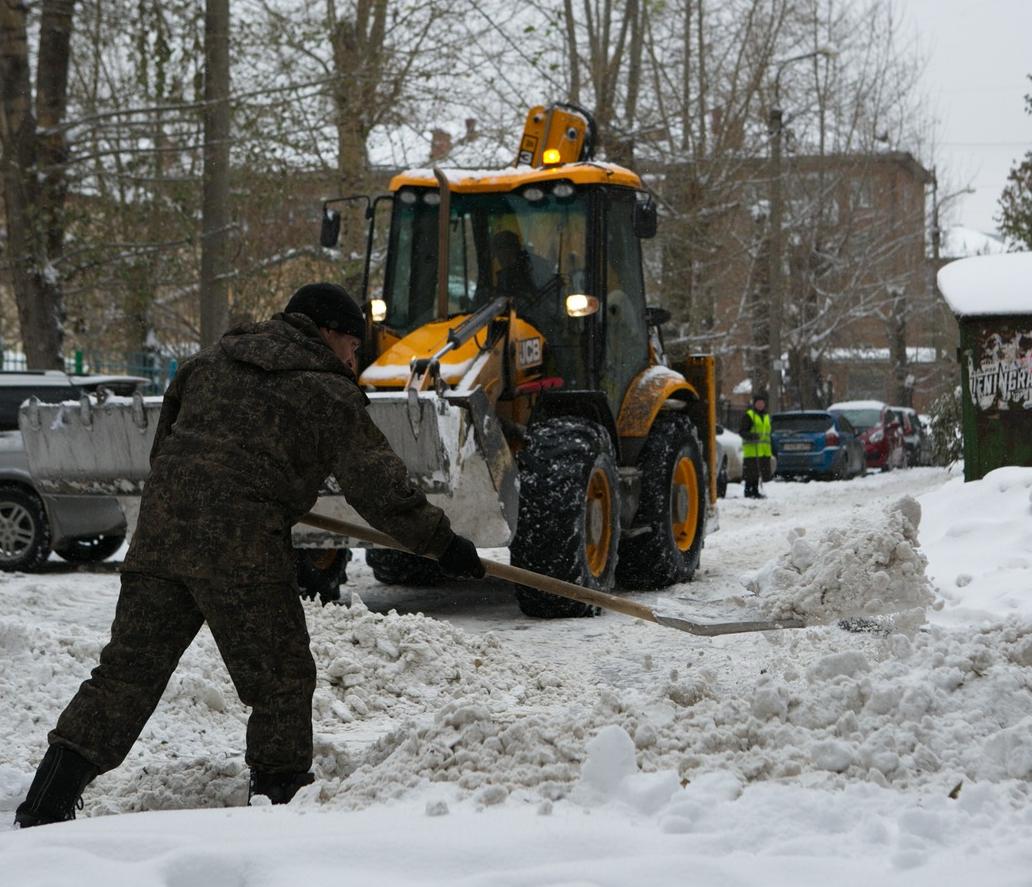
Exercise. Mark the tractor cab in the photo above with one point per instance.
(558, 238)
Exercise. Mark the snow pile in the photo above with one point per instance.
(375, 670)
(865, 567)
(400, 665)
(938, 709)
(978, 539)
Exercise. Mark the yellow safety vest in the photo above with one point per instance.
(761, 428)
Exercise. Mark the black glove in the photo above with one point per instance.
(460, 560)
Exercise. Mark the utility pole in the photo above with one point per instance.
(215, 198)
(936, 230)
(776, 258)
(775, 274)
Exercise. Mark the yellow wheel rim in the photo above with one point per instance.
(684, 503)
(598, 525)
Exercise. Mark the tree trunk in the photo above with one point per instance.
(902, 388)
(34, 157)
(215, 198)
(358, 58)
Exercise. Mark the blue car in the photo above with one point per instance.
(814, 443)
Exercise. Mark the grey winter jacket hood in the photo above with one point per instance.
(286, 342)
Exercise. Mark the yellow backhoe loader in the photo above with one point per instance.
(524, 375)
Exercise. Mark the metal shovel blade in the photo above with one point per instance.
(713, 629)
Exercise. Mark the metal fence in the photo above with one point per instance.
(159, 369)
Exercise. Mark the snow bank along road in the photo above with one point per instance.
(460, 742)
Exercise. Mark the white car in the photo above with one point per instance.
(729, 459)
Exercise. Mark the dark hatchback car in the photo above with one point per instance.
(814, 443)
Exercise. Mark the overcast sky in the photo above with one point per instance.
(979, 53)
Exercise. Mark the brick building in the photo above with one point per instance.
(861, 316)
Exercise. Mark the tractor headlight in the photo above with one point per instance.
(581, 305)
(378, 310)
(562, 190)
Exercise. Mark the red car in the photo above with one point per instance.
(879, 431)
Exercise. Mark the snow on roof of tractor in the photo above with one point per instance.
(988, 284)
(507, 178)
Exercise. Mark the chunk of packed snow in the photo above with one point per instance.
(867, 566)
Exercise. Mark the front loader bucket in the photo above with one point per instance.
(90, 447)
(452, 446)
(454, 450)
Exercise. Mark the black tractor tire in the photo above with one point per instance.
(569, 518)
(391, 567)
(91, 550)
(24, 530)
(672, 508)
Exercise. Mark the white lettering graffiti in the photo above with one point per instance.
(1003, 377)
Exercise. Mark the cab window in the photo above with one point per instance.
(626, 330)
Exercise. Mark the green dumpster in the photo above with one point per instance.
(991, 297)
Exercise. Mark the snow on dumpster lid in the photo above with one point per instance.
(988, 284)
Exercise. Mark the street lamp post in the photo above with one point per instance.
(775, 250)
(775, 271)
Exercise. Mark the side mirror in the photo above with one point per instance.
(656, 316)
(330, 233)
(646, 218)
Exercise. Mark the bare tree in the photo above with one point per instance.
(34, 154)
(215, 210)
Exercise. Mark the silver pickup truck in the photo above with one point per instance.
(32, 523)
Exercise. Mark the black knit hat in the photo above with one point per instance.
(329, 306)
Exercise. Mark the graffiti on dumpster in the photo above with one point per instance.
(1003, 377)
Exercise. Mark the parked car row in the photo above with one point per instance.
(849, 439)
(846, 440)
(32, 524)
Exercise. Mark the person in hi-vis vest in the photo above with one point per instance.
(756, 451)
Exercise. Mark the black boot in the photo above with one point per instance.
(57, 788)
(279, 788)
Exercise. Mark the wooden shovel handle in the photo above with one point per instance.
(547, 584)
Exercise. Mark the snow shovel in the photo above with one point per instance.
(551, 585)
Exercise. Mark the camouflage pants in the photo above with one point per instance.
(261, 633)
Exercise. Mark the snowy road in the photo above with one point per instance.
(482, 747)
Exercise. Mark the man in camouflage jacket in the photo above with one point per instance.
(249, 430)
